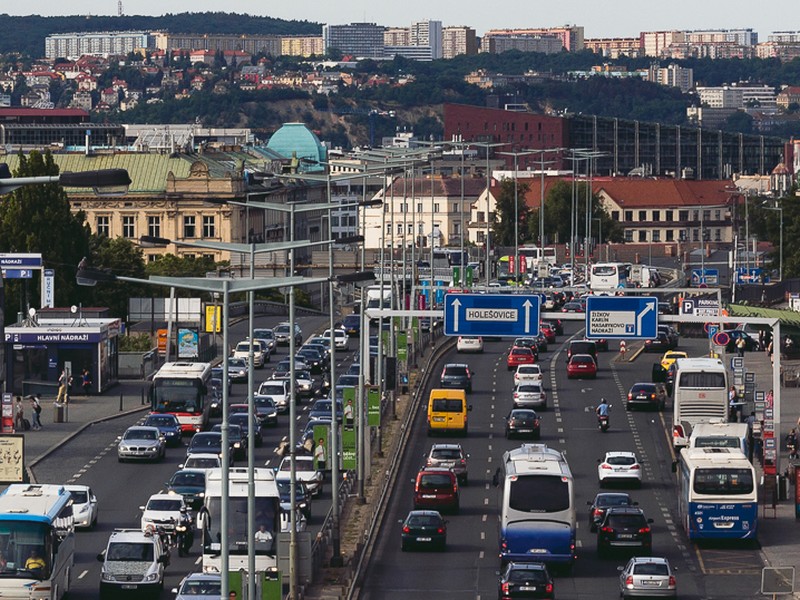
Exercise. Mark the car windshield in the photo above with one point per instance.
(650, 569)
(447, 405)
(613, 500)
(201, 588)
(723, 481)
(165, 504)
(141, 434)
(197, 479)
(239, 419)
(643, 389)
(236, 363)
(423, 521)
(206, 441)
(430, 481)
(264, 402)
(584, 360)
(529, 388)
(300, 465)
(455, 371)
(130, 551)
(539, 494)
(202, 463)
(264, 334)
(626, 521)
(528, 370)
(527, 575)
(81, 497)
(522, 414)
(271, 389)
(521, 352)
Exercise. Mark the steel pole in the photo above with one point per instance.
(223, 513)
(251, 439)
(293, 592)
(333, 450)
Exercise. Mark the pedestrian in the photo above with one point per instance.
(19, 415)
(36, 411)
(86, 382)
(622, 349)
(740, 346)
(63, 381)
(733, 405)
(761, 339)
(751, 422)
(791, 443)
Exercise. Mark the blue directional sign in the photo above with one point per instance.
(621, 317)
(710, 277)
(496, 315)
(17, 273)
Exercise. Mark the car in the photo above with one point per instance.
(237, 369)
(423, 528)
(313, 358)
(266, 410)
(189, 483)
(84, 506)
(572, 307)
(352, 325)
(239, 416)
(529, 394)
(548, 332)
(201, 462)
(302, 498)
(735, 335)
(354, 369)
(196, 586)
(647, 576)
(601, 344)
(469, 344)
(449, 456)
(619, 467)
(307, 435)
(456, 376)
(582, 347)
(625, 528)
(672, 335)
(162, 511)
(141, 443)
(665, 308)
(540, 342)
(278, 390)
(237, 440)
(525, 580)
(305, 384)
(557, 325)
(670, 356)
(242, 350)
(526, 342)
(527, 373)
(581, 366)
(322, 409)
(283, 368)
(321, 343)
(602, 502)
(660, 343)
(205, 442)
(647, 395)
(168, 425)
(268, 337)
(519, 356)
(283, 333)
(340, 338)
(424, 324)
(133, 562)
(347, 380)
(305, 473)
(436, 488)
(523, 422)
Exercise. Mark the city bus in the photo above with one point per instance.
(537, 506)
(717, 494)
(699, 395)
(36, 519)
(506, 273)
(609, 276)
(267, 513)
(534, 256)
(183, 389)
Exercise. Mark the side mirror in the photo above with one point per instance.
(101, 557)
(173, 591)
(620, 568)
(599, 460)
(141, 508)
(589, 503)
(180, 466)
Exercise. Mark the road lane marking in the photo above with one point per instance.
(483, 518)
(84, 574)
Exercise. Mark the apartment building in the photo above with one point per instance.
(673, 75)
(302, 45)
(571, 36)
(459, 40)
(656, 43)
(362, 40)
(737, 96)
(615, 47)
(252, 44)
(427, 33)
(545, 44)
(99, 43)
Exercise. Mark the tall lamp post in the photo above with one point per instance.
(516, 156)
(780, 237)
(487, 146)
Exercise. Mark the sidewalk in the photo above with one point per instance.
(81, 413)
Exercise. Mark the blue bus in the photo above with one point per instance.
(717, 494)
(37, 540)
(537, 506)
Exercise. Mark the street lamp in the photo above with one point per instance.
(600, 239)
(780, 237)
(487, 146)
(516, 155)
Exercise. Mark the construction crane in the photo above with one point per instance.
(370, 112)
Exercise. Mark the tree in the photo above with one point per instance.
(121, 257)
(37, 219)
(505, 216)
(558, 211)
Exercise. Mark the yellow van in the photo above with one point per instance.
(447, 411)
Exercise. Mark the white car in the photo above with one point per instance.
(84, 505)
(619, 466)
(340, 338)
(305, 471)
(242, 351)
(469, 344)
(162, 510)
(278, 390)
(527, 373)
(202, 462)
(530, 394)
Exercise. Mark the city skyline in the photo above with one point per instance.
(626, 19)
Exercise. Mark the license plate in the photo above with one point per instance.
(650, 583)
(423, 539)
(128, 586)
(524, 430)
(429, 495)
(625, 536)
(438, 419)
(620, 469)
(527, 588)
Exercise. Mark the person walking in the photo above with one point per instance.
(36, 411)
(740, 346)
(733, 405)
(61, 397)
(86, 382)
(19, 415)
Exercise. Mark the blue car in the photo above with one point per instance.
(167, 425)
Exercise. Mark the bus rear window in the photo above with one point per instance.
(539, 494)
(702, 380)
(723, 482)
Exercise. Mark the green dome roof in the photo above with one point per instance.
(295, 139)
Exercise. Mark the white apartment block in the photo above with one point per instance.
(672, 76)
(738, 97)
(740, 37)
(784, 37)
(427, 33)
(302, 45)
(100, 43)
(459, 40)
(655, 43)
(397, 36)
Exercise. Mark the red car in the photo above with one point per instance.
(581, 366)
(548, 332)
(520, 356)
(436, 488)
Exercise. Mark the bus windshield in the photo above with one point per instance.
(265, 514)
(176, 395)
(26, 548)
(723, 482)
(539, 494)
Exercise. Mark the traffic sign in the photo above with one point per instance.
(621, 317)
(707, 276)
(712, 330)
(498, 315)
(17, 273)
(721, 338)
(700, 307)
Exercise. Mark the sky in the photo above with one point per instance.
(603, 18)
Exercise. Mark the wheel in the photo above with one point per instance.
(628, 407)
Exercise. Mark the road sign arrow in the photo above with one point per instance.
(648, 307)
(527, 304)
(456, 304)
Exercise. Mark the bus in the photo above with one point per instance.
(537, 506)
(609, 276)
(36, 519)
(267, 513)
(183, 389)
(699, 395)
(534, 256)
(506, 272)
(717, 494)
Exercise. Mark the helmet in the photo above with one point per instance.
(184, 509)
(603, 401)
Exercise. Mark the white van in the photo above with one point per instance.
(720, 435)
(242, 350)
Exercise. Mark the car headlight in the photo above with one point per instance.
(201, 494)
(123, 448)
(150, 577)
(107, 576)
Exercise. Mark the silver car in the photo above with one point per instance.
(141, 443)
(197, 586)
(449, 456)
(530, 394)
(647, 576)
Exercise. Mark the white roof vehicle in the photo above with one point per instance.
(162, 510)
(527, 373)
(305, 472)
(84, 505)
(340, 338)
(619, 466)
(469, 344)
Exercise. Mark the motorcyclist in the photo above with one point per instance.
(602, 408)
(185, 531)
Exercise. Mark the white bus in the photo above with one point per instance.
(534, 256)
(609, 276)
(717, 494)
(699, 395)
(267, 513)
(36, 528)
(537, 506)
(721, 435)
(182, 389)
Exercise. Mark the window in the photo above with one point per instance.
(628, 216)
(656, 235)
(695, 215)
(129, 226)
(656, 215)
(642, 235)
(706, 215)
(670, 235)
(539, 494)
(154, 226)
(717, 235)
(208, 257)
(189, 227)
(481, 217)
(335, 221)
(481, 237)
(436, 207)
(717, 215)
(615, 215)
(209, 226)
(628, 235)
(669, 214)
(642, 215)
(683, 215)
(399, 229)
(104, 225)
(410, 228)
(419, 207)
(695, 235)
(388, 229)
(455, 207)
(405, 207)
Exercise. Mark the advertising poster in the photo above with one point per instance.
(402, 346)
(188, 343)
(321, 445)
(349, 449)
(12, 458)
(373, 407)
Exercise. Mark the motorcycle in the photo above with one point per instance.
(602, 421)
(184, 537)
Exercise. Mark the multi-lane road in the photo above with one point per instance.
(469, 567)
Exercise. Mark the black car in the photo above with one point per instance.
(168, 425)
(523, 422)
(352, 325)
(321, 409)
(266, 409)
(424, 529)
(237, 440)
(189, 483)
(625, 528)
(312, 358)
(205, 442)
(647, 395)
(672, 335)
(301, 497)
(456, 376)
(661, 343)
(602, 502)
(525, 580)
(240, 418)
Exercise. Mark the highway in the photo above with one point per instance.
(469, 567)
(90, 459)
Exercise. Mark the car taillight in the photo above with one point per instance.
(644, 530)
(548, 588)
(629, 580)
(504, 587)
(677, 431)
(536, 422)
(503, 545)
(630, 396)
(597, 512)
(406, 529)
(607, 529)
(462, 461)
(672, 581)
(605, 465)
(440, 530)
(635, 468)
(652, 396)
(516, 394)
